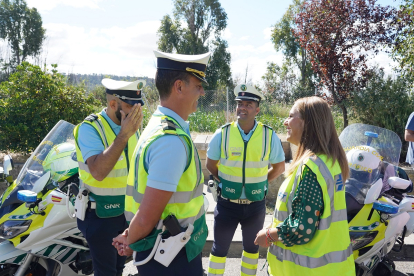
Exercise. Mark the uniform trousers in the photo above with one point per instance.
(227, 216)
(99, 233)
(180, 266)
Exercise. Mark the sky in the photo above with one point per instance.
(118, 37)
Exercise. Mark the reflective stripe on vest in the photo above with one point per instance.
(310, 262)
(114, 184)
(336, 215)
(244, 164)
(329, 250)
(190, 187)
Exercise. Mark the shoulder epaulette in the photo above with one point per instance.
(226, 125)
(91, 118)
(168, 124)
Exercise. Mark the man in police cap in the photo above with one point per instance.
(165, 181)
(104, 145)
(239, 155)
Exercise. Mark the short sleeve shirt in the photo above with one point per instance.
(167, 157)
(276, 155)
(410, 153)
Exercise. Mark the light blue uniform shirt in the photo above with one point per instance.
(89, 141)
(276, 155)
(166, 157)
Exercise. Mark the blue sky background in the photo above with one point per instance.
(117, 37)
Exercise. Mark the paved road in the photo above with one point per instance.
(404, 267)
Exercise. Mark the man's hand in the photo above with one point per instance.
(131, 123)
(121, 244)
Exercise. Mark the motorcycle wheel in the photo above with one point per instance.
(10, 270)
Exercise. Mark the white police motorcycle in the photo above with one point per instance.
(37, 226)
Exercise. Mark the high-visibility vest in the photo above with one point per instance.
(329, 252)
(109, 193)
(244, 163)
(187, 203)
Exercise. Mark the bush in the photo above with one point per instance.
(33, 102)
(385, 102)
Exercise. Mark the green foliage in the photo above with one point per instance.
(205, 20)
(206, 121)
(22, 28)
(385, 102)
(403, 51)
(34, 102)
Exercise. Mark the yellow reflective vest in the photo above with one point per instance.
(244, 163)
(329, 252)
(187, 203)
(109, 193)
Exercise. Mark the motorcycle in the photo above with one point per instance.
(36, 212)
(380, 213)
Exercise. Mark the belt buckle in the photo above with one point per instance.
(244, 201)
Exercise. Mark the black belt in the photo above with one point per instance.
(238, 201)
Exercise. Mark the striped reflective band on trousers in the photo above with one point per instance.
(249, 263)
(265, 148)
(310, 262)
(336, 215)
(216, 265)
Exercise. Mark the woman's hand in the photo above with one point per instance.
(261, 238)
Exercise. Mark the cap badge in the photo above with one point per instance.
(138, 92)
(140, 85)
(360, 158)
(242, 93)
(243, 87)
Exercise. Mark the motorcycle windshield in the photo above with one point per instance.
(387, 145)
(36, 165)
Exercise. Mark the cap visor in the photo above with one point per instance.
(200, 78)
(131, 102)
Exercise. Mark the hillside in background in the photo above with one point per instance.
(92, 80)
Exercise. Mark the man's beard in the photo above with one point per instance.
(118, 114)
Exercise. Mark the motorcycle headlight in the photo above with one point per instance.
(360, 239)
(12, 228)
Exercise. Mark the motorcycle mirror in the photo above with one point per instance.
(7, 164)
(373, 192)
(41, 182)
(27, 196)
(399, 183)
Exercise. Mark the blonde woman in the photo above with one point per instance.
(309, 234)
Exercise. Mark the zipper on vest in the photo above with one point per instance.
(244, 163)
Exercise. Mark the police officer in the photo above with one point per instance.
(239, 155)
(104, 145)
(166, 177)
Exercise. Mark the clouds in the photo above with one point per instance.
(48, 5)
(116, 50)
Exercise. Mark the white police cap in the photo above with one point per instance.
(129, 92)
(245, 92)
(193, 64)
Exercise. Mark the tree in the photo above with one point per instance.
(339, 36)
(284, 39)
(205, 20)
(403, 51)
(35, 101)
(384, 102)
(279, 82)
(22, 28)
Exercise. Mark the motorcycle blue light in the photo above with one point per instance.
(385, 208)
(27, 196)
(371, 134)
